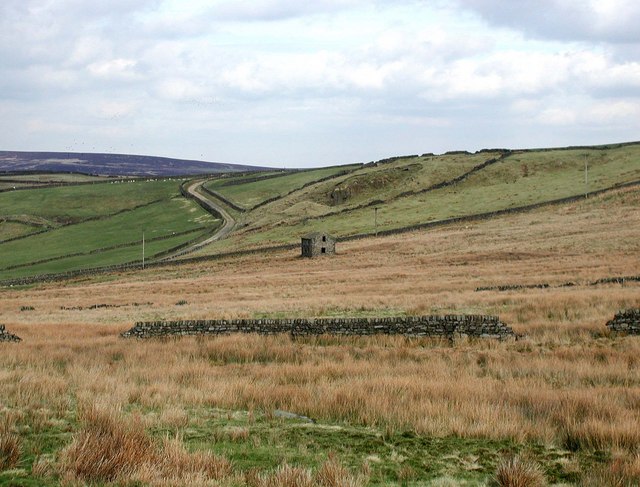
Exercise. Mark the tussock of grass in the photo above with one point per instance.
(330, 474)
(107, 448)
(112, 448)
(10, 450)
(519, 472)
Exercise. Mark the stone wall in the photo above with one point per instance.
(626, 321)
(448, 326)
(8, 337)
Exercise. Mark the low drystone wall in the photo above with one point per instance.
(448, 326)
(626, 321)
(8, 337)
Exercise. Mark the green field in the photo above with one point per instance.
(253, 441)
(253, 193)
(10, 229)
(130, 253)
(91, 220)
(76, 203)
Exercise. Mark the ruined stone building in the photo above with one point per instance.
(318, 243)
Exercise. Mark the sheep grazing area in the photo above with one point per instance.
(558, 406)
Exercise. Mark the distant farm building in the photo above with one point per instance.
(318, 243)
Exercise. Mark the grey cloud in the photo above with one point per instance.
(579, 20)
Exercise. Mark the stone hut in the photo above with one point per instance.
(318, 243)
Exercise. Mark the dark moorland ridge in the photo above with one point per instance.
(111, 164)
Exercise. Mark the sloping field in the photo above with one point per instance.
(420, 190)
(90, 226)
(390, 411)
(13, 229)
(252, 193)
(76, 203)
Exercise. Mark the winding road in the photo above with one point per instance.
(212, 207)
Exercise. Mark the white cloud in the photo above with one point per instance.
(611, 111)
(114, 69)
(178, 89)
(114, 110)
(557, 116)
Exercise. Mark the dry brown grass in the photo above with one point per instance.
(112, 448)
(621, 472)
(579, 392)
(10, 450)
(519, 472)
(107, 448)
(330, 474)
(423, 272)
(568, 383)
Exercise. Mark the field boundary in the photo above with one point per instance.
(243, 209)
(435, 326)
(89, 219)
(514, 287)
(5, 336)
(103, 249)
(224, 199)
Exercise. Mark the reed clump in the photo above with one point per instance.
(112, 448)
(519, 472)
(10, 450)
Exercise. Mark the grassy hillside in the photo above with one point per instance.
(99, 224)
(87, 226)
(252, 193)
(406, 192)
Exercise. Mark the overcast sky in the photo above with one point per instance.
(305, 83)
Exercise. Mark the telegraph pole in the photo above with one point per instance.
(375, 219)
(586, 177)
(143, 249)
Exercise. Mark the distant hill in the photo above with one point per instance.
(111, 164)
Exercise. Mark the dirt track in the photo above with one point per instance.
(212, 206)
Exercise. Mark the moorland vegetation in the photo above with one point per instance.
(560, 406)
